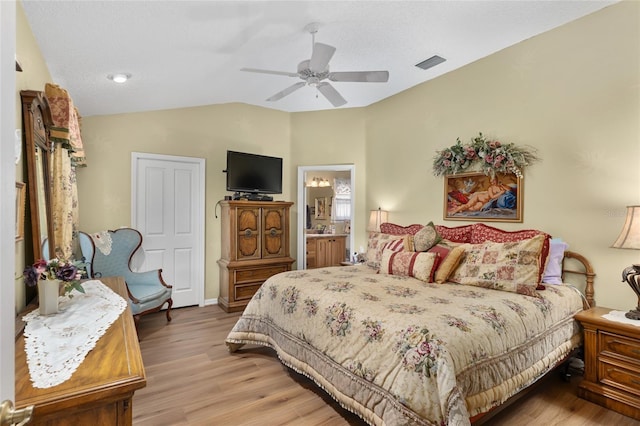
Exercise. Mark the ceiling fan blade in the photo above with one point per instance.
(320, 57)
(360, 76)
(331, 94)
(288, 74)
(286, 91)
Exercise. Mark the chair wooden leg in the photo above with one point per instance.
(170, 303)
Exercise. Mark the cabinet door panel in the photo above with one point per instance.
(311, 253)
(248, 233)
(323, 252)
(338, 248)
(274, 232)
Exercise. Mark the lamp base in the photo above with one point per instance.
(633, 314)
(632, 277)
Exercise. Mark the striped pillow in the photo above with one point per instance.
(377, 243)
(420, 265)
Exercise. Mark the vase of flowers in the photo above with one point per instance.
(51, 276)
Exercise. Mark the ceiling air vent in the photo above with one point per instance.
(431, 62)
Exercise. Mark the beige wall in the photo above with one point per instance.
(572, 93)
(334, 137)
(104, 187)
(34, 76)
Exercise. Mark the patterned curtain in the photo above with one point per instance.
(68, 154)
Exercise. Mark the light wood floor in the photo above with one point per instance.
(193, 380)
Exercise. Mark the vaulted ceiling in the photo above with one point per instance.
(190, 53)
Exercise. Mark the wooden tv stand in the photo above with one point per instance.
(255, 246)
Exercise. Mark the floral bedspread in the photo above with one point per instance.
(398, 351)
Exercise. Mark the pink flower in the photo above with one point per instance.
(470, 153)
(424, 348)
(40, 266)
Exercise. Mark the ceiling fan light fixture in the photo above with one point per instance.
(431, 62)
(119, 78)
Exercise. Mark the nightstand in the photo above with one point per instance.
(611, 364)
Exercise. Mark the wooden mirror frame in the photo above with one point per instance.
(36, 120)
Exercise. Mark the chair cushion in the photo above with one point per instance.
(146, 293)
(138, 308)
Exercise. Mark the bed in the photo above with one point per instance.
(398, 346)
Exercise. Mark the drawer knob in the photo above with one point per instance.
(247, 233)
(273, 232)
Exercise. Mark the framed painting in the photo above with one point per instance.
(20, 206)
(478, 197)
(321, 208)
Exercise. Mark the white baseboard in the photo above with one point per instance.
(208, 302)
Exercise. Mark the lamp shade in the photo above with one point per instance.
(629, 237)
(376, 218)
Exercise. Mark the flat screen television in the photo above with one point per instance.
(253, 173)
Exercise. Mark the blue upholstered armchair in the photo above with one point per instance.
(109, 254)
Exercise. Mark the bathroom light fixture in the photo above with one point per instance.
(119, 78)
(317, 182)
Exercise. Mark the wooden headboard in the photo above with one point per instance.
(587, 273)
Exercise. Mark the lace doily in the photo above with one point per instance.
(618, 316)
(102, 241)
(57, 344)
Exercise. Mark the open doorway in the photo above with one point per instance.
(326, 200)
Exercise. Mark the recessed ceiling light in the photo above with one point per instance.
(119, 78)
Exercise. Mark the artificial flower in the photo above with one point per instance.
(490, 156)
(70, 272)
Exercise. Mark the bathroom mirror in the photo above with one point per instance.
(36, 119)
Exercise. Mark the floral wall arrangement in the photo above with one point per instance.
(485, 155)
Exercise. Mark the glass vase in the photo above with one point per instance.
(48, 292)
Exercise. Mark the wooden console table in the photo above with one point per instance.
(100, 391)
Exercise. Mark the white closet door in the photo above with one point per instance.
(168, 210)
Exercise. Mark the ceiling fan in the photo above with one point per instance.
(315, 71)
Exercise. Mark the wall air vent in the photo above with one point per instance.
(431, 62)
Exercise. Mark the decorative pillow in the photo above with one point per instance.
(512, 266)
(409, 264)
(393, 229)
(408, 243)
(443, 248)
(377, 242)
(396, 245)
(553, 270)
(449, 262)
(482, 233)
(426, 238)
(458, 234)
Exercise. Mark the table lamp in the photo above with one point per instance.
(376, 218)
(629, 238)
